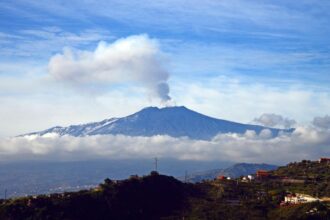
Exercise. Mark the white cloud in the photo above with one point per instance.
(30, 103)
(132, 59)
(274, 120)
(240, 100)
(303, 143)
(322, 122)
(37, 105)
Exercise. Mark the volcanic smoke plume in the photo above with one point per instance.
(135, 59)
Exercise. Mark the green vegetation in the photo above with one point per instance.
(315, 174)
(303, 211)
(161, 197)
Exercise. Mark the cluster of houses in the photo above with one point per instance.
(259, 174)
(222, 177)
(248, 178)
(262, 175)
(290, 198)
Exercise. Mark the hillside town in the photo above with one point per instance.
(290, 198)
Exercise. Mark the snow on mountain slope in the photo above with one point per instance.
(172, 121)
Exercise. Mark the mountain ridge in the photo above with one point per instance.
(234, 171)
(177, 121)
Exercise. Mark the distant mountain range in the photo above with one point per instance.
(42, 177)
(150, 121)
(237, 170)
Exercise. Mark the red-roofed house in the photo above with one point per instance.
(324, 160)
(262, 174)
(221, 177)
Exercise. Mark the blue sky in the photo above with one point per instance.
(228, 59)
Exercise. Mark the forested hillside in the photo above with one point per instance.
(162, 197)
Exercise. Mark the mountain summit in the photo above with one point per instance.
(176, 121)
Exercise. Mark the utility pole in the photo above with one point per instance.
(5, 194)
(156, 164)
(186, 176)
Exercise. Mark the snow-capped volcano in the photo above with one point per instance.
(150, 121)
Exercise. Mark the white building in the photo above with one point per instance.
(250, 177)
(299, 198)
